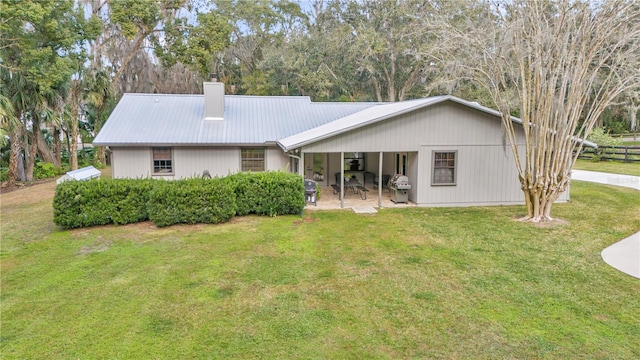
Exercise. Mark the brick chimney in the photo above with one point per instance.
(213, 99)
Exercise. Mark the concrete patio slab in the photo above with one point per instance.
(624, 255)
(627, 181)
(364, 210)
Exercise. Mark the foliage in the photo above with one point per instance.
(194, 45)
(600, 137)
(46, 170)
(268, 193)
(102, 201)
(561, 64)
(191, 201)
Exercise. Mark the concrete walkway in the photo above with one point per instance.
(628, 181)
(625, 254)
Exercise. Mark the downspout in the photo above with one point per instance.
(297, 158)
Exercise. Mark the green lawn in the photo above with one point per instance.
(409, 283)
(614, 167)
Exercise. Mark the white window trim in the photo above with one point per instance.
(455, 167)
(153, 165)
(264, 157)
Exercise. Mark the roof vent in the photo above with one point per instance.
(213, 101)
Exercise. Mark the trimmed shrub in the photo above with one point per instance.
(268, 193)
(192, 201)
(123, 201)
(101, 201)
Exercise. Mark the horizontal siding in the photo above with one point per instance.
(442, 124)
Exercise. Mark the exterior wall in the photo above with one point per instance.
(136, 162)
(192, 161)
(442, 124)
(486, 175)
(131, 162)
(276, 160)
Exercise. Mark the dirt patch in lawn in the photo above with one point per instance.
(28, 194)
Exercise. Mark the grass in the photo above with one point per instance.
(614, 167)
(406, 283)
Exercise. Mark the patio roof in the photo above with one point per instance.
(372, 115)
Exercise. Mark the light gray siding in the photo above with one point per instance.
(442, 124)
(136, 162)
(131, 162)
(276, 160)
(486, 172)
(192, 161)
(486, 175)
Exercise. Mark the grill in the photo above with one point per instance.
(399, 184)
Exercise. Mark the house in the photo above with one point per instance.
(453, 152)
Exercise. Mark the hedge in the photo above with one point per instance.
(192, 201)
(122, 201)
(99, 202)
(268, 193)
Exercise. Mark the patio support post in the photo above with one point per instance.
(380, 181)
(342, 180)
(301, 167)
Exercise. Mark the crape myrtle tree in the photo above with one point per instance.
(557, 64)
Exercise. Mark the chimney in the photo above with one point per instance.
(213, 100)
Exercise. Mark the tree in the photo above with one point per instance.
(558, 64)
(41, 42)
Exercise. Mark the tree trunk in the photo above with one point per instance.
(16, 166)
(57, 145)
(100, 155)
(540, 195)
(73, 156)
(45, 152)
(33, 148)
(633, 122)
(73, 151)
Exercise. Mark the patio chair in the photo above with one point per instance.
(369, 177)
(385, 182)
(311, 191)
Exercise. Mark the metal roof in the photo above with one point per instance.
(147, 119)
(370, 116)
(291, 121)
(84, 173)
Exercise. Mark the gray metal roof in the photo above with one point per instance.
(148, 119)
(291, 121)
(372, 115)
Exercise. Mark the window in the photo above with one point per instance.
(162, 163)
(252, 159)
(444, 168)
(354, 161)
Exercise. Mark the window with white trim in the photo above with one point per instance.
(252, 159)
(444, 168)
(162, 160)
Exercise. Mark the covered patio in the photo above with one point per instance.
(329, 200)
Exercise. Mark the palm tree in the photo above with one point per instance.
(100, 102)
(16, 88)
(87, 90)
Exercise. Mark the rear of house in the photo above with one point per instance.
(454, 152)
